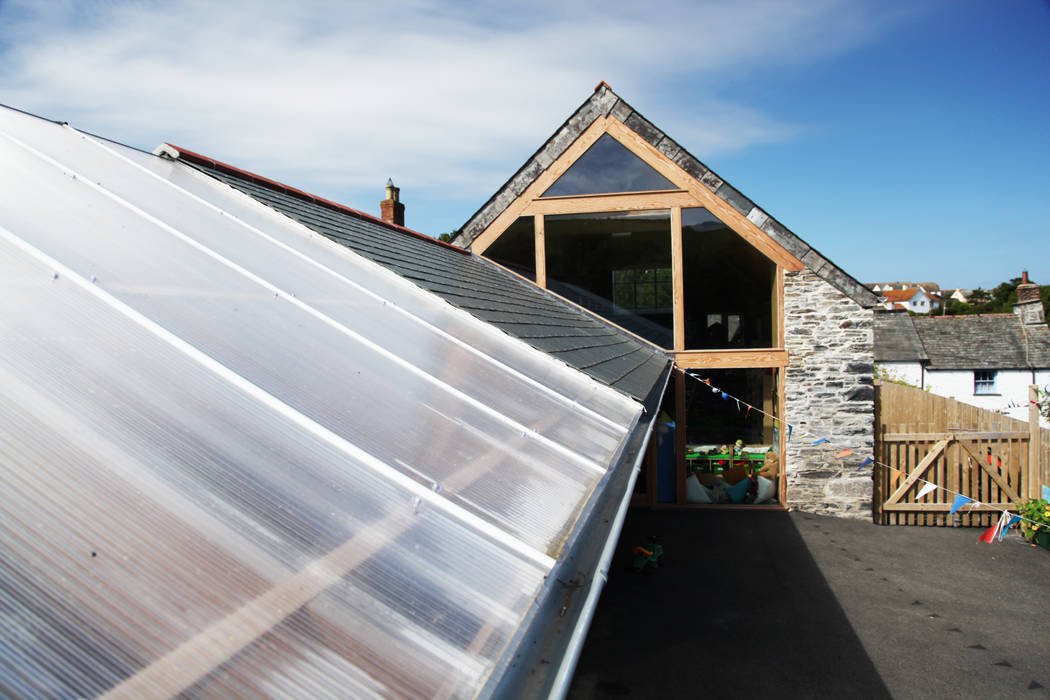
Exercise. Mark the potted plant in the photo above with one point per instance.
(1036, 524)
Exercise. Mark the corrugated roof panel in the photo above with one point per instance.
(239, 459)
(471, 283)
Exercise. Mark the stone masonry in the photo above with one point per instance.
(829, 393)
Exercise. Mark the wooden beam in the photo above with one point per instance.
(541, 251)
(991, 471)
(677, 279)
(918, 471)
(946, 507)
(539, 186)
(781, 416)
(933, 437)
(716, 205)
(720, 359)
(1034, 476)
(778, 308)
(589, 204)
(679, 435)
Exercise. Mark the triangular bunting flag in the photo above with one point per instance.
(1013, 521)
(995, 530)
(790, 428)
(959, 502)
(1007, 523)
(817, 442)
(737, 405)
(845, 453)
(866, 462)
(989, 534)
(926, 489)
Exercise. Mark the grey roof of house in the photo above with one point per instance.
(605, 102)
(994, 341)
(467, 281)
(896, 339)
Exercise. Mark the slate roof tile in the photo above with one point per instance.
(466, 281)
(992, 341)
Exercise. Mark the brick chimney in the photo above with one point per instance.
(393, 211)
(1029, 306)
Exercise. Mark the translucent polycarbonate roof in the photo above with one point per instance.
(238, 459)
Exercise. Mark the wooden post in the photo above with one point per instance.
(679, 436)
(1035, 478)
(541, 251)
(677, 279)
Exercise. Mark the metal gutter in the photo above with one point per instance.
(541, 658)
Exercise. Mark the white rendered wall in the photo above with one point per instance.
(1011, 387)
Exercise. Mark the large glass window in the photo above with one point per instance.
(617, 264)
(728, 286)
(607, 166)
(516, 248)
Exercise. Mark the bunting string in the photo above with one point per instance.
(1006, 520)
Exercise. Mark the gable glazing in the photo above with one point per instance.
(607, 166)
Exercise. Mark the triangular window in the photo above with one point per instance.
(607, 166)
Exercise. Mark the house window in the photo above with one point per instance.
(984, 381)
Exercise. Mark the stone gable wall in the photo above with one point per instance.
(829, 393)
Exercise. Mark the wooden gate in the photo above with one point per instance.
(980, 454)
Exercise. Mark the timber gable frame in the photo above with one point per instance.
(694, 186)
(605, 111)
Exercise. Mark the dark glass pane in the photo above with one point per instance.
(646, 298)
(663, 295)
(624, 296)
(712, 422)
(607, 166)
(586, 252)
(728, 286)
(516, 248)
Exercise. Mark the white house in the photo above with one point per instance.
(987, 361)
(914, 299)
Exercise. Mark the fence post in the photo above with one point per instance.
(1035, 478)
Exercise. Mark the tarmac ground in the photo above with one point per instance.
(793, 605)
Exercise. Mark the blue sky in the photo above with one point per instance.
(903, 140)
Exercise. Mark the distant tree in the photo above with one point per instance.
(954, 307)
(446, 237)
(979, 299)
(1003, 297)
(999, 300)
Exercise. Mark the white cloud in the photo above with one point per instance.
(442, 96)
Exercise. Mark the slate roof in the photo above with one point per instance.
(474, 284)
(896, 339)
(605, 102)
(993, 341)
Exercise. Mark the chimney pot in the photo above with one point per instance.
(391, 208)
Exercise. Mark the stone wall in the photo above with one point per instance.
(828, 393)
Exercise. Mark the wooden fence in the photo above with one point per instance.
(981, 454)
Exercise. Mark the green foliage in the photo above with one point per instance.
(1000, 300)
(1036, 514)
(445, 237)
(883, 375)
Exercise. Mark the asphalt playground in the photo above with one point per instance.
(793, 605)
